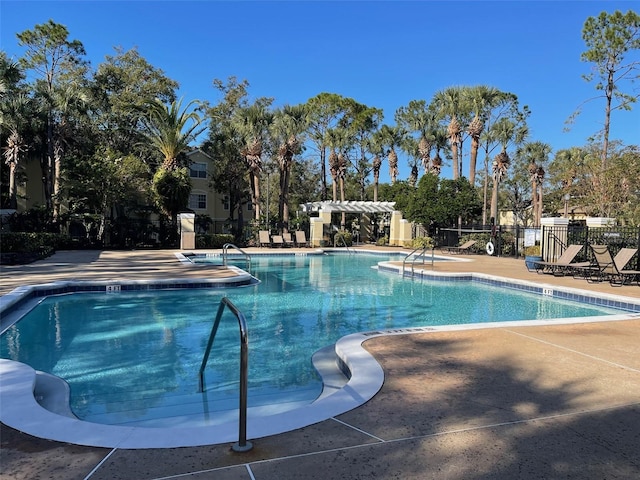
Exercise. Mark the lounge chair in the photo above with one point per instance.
(288, 241)
(610, 268)
(465, 247)
(301, 239)
(563, 264)
(277, 241)
(264, 239)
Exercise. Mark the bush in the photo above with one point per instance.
(213, 241)
(381, 242)
(348, 238)
(21, 247)
(22, 242)
(422, 242)
(532, 251)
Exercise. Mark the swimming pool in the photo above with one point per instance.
(303, 303)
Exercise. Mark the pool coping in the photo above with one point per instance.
(21, 410)
(20, 297)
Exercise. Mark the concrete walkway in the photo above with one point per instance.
(537, 402)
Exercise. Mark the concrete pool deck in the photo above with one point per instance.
(558, 401)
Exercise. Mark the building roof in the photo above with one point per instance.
(349, 207)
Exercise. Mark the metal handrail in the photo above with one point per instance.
(421, 255)
(242, 445)
(225, 249)
(344, 241)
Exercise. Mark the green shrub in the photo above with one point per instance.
(422, 242)
(382, 241)
(22, 242)
(213, 241)
(348, 239)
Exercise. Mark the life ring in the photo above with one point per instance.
(489, 248)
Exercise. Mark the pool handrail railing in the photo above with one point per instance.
(225, 249)
(417, 257)
(242, 445)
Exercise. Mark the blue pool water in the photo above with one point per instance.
(133, 358)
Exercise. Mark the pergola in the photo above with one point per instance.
(349, 207)
(399, 229)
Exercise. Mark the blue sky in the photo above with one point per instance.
(380, 53)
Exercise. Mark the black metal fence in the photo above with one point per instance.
(506, 241)
(553, 240)
(556, 238)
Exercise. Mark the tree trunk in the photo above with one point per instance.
(607, 119)
(376, 179)
(540, 208)
(473, 160)
(343, 221)
(323, 166)
(494, 201)
(534, 202)
(13, 196)
(285, 200)
(485, 193)
(256, 206)
(454, 154)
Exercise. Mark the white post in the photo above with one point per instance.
(187, 231)
(547, 242)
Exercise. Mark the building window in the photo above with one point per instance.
(198, 170)
(225, 202)
(198, 201)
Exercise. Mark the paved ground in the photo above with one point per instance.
(553, 402)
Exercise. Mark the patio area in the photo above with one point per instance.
(559, 401)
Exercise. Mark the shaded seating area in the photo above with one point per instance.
(466, 247)
(564, 264)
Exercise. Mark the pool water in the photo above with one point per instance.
(133, 358)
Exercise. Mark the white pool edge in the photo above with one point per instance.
(20, 410)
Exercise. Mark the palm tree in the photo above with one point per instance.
(505, 132)
(499, 171)
(482, 99)
(506, 106)
(422, 119)
(170, 129)
(536, 155)
(449, 104)
(411, 147)
(439, 144)
(376, 147)
(15, 112)
(338, 141)
(68, 100)
(253, 124)
(391, 138)
(289, 123)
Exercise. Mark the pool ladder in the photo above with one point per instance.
(421, 255)
(344, 242)
(242, 445)
(225, 252)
